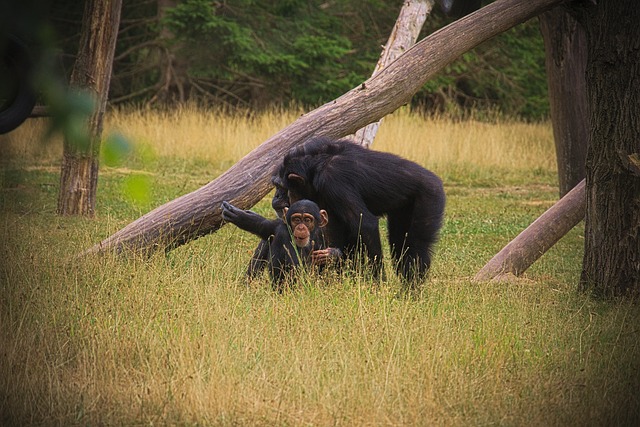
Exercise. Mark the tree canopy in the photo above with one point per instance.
(257, 53)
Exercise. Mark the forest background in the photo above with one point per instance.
(242, 54)
(180, 339)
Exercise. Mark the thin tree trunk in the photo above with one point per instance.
(248, 181)
(172, 67)
(538, 238)
(92, 74)
(611, 263)
(566, 58)
(404, 35)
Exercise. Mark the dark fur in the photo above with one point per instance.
(356, 186)
(260, 258)
(282, 255)
(458, 8)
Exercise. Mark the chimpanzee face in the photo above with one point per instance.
(305, 218)
(302, 226)
(280, 199)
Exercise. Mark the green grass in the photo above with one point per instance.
(182, 339)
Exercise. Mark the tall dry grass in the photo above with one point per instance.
(440, 141)
(180, 339)
(213, 135)
(221, 137)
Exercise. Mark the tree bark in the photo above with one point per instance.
(538, 238)
(91, 73)
(404, 35)
(248, 181)
(611, 263)
(566, 57)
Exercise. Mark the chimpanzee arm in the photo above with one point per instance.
(362, 228)
(250, 221)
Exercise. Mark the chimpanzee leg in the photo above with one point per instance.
(398, 223)
(365, 233)
(259, 260)
(412, 233)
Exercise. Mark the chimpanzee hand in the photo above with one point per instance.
(250, 221)
(240, 217)
(325, 256)
(230, 213)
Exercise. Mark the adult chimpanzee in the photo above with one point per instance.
(291, 242)
(356, 186)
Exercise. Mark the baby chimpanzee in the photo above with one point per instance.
(292, 241)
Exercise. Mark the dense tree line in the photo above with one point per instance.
(256, 53)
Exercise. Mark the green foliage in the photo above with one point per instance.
(68, 108)
(137, 189)
(119, 151)
(506, 74)
(259, 53)
(115, 149)
(284, 50)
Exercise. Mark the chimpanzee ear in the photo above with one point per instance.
(324, 218)
(295, 178)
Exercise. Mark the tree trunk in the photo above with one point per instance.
(404, 35)
(566, 57)
(248, 181)
(91, 73)
(174, 85)
(566, 53)
(538, 238)
(612, 224)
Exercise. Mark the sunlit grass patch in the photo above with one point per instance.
(183, 338)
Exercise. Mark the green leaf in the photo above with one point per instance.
(115, 149)
(137, 189)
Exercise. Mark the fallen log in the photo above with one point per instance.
(244, 184)
(538, 238)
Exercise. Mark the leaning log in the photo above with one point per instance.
(198, 213)
(538, 238)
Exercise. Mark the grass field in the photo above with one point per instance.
(181, 339)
